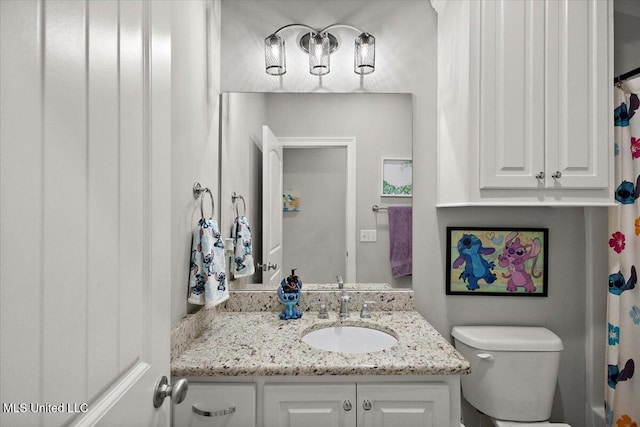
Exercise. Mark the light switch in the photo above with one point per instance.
(368, 236)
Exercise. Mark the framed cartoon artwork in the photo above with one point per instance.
(290, 200)
(497, 261)
(397, 178)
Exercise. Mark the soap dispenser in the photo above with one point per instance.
(289, 293)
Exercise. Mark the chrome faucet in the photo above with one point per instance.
(344, 304)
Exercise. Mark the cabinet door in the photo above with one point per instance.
(511, 104)
(403, 405)
(578, 105)
(310, 405)
(217, 405)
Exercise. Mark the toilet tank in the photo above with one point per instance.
(513, 370)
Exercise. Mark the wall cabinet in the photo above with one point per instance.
(322, 402)
(524, 103)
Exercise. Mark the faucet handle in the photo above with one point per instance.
(365, 313)
(323, 313)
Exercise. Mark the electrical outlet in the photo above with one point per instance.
(368, 236)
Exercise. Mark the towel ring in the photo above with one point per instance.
(234, 200)
(206, 190)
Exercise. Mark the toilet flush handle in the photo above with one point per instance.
(485, 356)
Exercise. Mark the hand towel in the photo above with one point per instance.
(400, 243)
(243, 248)
(207, 277)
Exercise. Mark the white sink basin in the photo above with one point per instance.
(349, 339)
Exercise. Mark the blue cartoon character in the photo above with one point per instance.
(476, 267)
(222, 278)
(627, 193)
(622, 114)
(615, 374)
(289, 293)
(617, 284)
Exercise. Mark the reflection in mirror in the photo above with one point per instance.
(333, 146)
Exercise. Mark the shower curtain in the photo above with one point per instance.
(622, 393)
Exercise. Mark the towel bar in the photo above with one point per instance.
(197, 194)
(234, 200)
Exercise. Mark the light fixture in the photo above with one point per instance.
(274, 55)
(319, 44)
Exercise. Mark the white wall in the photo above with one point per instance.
(195, 70)
(405, 59)
(243, 116)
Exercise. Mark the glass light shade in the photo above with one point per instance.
(274, 55)
(364, 61)
(319, 46)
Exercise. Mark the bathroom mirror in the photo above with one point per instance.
(332, 160)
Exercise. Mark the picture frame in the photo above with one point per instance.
(396, 177)
(505, 261)
(291, 200)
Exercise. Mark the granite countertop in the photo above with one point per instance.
(260, 344)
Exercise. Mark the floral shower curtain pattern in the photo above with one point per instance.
(623, 307)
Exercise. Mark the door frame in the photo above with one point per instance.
(349, 143)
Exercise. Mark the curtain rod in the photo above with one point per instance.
(626, 76)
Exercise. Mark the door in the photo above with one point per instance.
(310, 405)
(403, 405)
(272, 164)
(84, 219)
(512, 94)
(578, 90)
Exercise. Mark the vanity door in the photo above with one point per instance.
(310, 405)
(403, 405)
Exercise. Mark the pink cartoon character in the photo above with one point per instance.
(514, 256)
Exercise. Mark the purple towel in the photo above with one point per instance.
(400, 240)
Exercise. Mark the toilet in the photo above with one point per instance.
(513, 372)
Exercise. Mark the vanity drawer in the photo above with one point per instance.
(217, 405)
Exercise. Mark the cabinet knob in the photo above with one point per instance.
(556, 175)
(366, 405)
(347, 405)
(540, 175)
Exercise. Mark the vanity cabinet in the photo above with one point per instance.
(310, 405)
(356, 405)
(524, 102)
(217, 405)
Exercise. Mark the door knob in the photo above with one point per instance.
(366, 405)
(267, 267)
(540, 175)
(176, 391)
(347, 405)
(556, 175)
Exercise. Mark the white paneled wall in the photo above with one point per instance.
(81, 174)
